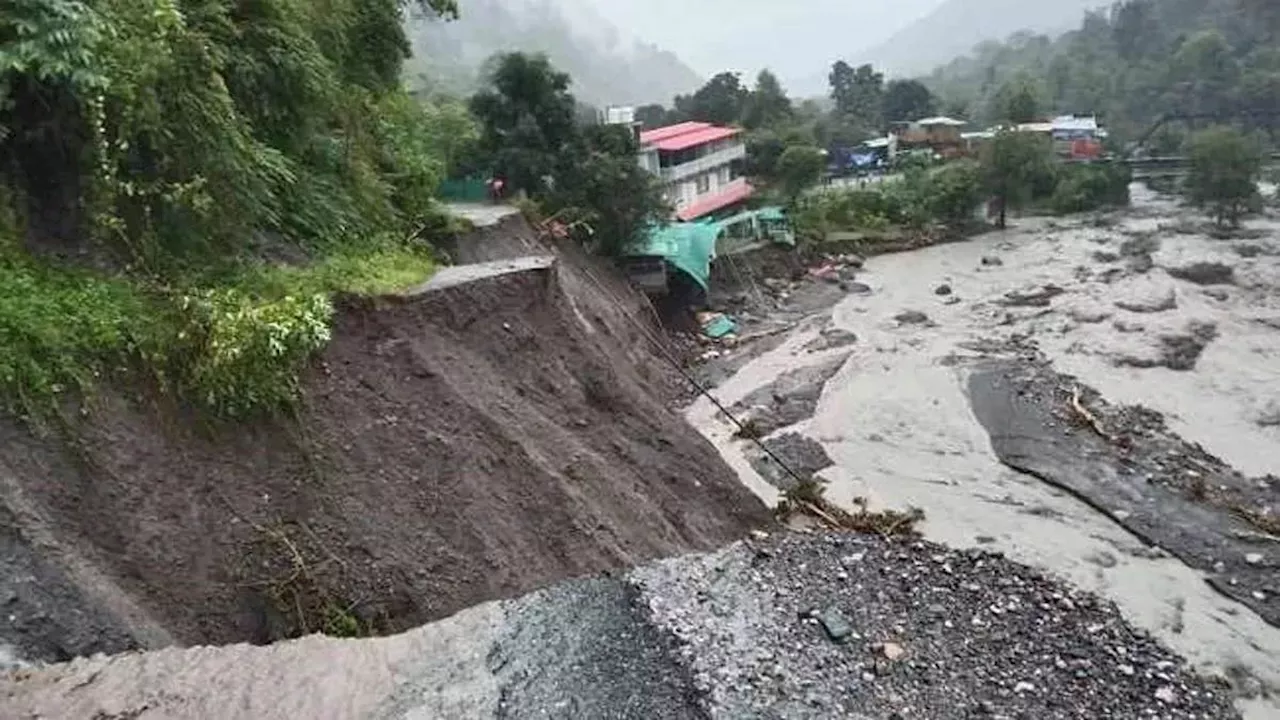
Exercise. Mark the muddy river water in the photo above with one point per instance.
(898, 424)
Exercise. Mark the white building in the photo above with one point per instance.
(699, 165)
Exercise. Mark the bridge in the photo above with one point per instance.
(1171, 166)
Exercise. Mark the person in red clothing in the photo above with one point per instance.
(496, 186)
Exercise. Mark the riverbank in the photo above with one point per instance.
(1141, 306)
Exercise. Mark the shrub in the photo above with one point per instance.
(1226, 165)
(1088, 187)
(954, 191)
(245, 354)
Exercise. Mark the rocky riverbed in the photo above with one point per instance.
(1098, 397)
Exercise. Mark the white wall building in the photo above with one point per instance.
(699, 165)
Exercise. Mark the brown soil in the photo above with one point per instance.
(454, 446)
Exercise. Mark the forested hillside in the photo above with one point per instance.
(607, 66)
(1134, 63)
(954, 27)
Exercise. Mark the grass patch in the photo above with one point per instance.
(235, 345)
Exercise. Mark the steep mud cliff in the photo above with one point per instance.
(501, 428)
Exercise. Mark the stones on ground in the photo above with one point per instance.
(830, 339)
(733, 616)
(1217, 294)
(836, 626)
(1105, 256)
(1167, 695)
(1205, 273)
(991, 261)
(1254, 558)
(892, 652)
(856, 288)
(1038, 296)
(798, 454)
(911, 317)
(1159, 301)
(943, 290)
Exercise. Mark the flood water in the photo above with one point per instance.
(897, 422)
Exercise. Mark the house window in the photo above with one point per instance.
(704, 183)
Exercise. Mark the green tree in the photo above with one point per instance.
(1225, 168)
(1204, 74)
(721, 101)
(1011, 164)
(799, 168)
(858, 95)
(527, 119)
(601, 183)
(954, 191)
(908, 100)
(651, 116)
(768, 104)
(1018, 101)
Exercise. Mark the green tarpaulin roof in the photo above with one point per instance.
(692, 246)
(689, 246)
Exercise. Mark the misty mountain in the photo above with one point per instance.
(608, 66)
(956, 26)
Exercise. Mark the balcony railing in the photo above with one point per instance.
(716, 159)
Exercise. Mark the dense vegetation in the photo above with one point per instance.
(583, 175)
(1133, 64)
(153, 153)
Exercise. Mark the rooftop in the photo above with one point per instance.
(735, 194)
(685, 135)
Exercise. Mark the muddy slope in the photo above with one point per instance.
(493, 433)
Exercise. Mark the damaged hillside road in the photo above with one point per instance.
(793, 625)
(1126, 464)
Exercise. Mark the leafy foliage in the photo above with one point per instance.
(527, 119)
(1088, 187)
(859, 97)
(1225, 168)
(908, 100)
(586, 175)
(799, 167)
(172, 141)
(604, 186)
(721, 101)
(1013, 164)
(1132, 64)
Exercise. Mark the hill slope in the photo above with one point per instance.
(607, 66)
(956, 26)
(498, 431)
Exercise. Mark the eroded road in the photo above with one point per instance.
(962, 349)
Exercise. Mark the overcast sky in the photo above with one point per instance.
(798, 39)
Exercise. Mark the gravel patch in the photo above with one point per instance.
(827, 625)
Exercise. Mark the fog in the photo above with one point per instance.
(798, 40)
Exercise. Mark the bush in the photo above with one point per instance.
(954, 192)
(1088, 187)
(1226, 165)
